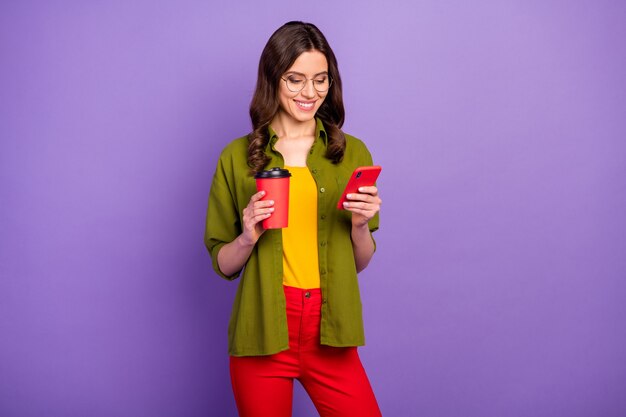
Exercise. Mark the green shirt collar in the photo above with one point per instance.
(320, 133)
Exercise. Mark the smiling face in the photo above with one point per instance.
(302, 106)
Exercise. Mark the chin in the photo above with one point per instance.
(303, 117)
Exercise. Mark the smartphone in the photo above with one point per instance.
(361, 177)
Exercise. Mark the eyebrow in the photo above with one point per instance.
(304, 75)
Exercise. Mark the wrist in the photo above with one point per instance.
(244, 242)
(360, 226)
(360, 230)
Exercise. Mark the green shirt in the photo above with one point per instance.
(258, 323)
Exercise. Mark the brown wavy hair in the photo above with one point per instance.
(279, 54)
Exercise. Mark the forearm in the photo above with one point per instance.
(234, 255)
(362, 246)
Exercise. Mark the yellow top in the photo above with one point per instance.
(300, 258)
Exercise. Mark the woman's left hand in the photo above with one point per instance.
(364, 205)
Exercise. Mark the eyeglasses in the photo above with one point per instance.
(297, 82)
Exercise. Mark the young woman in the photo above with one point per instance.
(297, 312)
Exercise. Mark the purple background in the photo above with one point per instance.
(498, 288)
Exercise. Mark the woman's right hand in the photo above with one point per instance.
(234, 255)
(256, 211)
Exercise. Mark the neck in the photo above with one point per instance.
(288, 128)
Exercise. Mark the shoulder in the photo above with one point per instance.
(233, 160)
(356, 149)
(234, 156)
(354, 142)
(236, 149)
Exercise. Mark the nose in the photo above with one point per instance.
(308, 90)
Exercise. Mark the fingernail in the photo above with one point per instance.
(360, 189)
(346, 204)
(348, 195)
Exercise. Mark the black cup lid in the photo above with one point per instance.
(273, 173)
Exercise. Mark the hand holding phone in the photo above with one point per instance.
(361, 177)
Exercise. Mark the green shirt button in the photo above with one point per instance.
(323, 216)
(323, 243)
(322, 190)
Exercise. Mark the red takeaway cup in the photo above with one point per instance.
(275, 183)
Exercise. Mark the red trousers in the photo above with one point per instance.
(333, 377)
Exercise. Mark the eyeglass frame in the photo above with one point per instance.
(330, 81)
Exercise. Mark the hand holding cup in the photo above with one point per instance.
(255, 212)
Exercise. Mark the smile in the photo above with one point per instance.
(305, 105)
